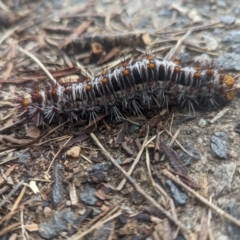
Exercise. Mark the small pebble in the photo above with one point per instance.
(233, 154)
(74, 152)
(219, 145)
(202, 122)
(47, 211)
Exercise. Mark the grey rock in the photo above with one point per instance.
(227, 19)
(236, 10)
(232, 37)
(88, 195)
(185, 58)
(233, 208)
(235, 48)
(58, 223)
(221, 3)
(186, 158)
(223, 176)
(180, 237)
(230, 61)
(206, 10)
(95, 211)
(57, 190)
(179, 196)
(23, 158)
(218, 32)
(165, 12)
(104, 166)
(47, 230)
(219, 145)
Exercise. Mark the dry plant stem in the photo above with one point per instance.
(123, 182)
(219, 115)
(198, 28)
(174, 137)
(111, 212)
(7, 34)
(87, 159)
(8, 216)
(22, 226)
(176, 49)
(178, 143)
(11, 193)
(19, 199)
(39, 63)
(171, 123)
(95, 226)
(202, 199)
(53, 130)
(9, 228)
(101, 215)
(110, 237)
(6, 174)
(12, 125)
(76, 32)
(185, 231)
(159, 189)
(152, 138)
(210, 232)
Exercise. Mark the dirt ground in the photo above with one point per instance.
(67, 181)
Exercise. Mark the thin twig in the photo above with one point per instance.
(135, 162)
(152, 138)
(9, 228)
(103, 215)
(15, 205)
(174, 52)
(95, 226)
(22, 225)
(39, 63)
(11, 193)
(210, 233)
(159, 189)
(179, 144)
(7, 34)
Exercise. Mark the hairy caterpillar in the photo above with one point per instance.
(131, 86)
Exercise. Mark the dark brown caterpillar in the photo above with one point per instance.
(141, 84)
